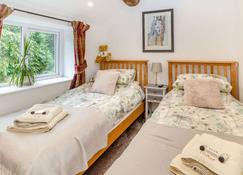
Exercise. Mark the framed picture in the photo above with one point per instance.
(158, 31)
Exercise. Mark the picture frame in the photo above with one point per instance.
(158, 31)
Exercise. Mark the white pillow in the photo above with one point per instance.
(105, 82)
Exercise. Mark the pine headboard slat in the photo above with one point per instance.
(141, 67)
(228, 69)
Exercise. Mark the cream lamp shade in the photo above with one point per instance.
(156, 68)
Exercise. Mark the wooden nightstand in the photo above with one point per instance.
(154, 95)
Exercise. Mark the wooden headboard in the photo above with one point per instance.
(141, 67)
(229, 69)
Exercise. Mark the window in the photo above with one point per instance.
(43, 52)
(10, 45)
(43, 55)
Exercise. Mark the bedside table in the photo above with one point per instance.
(154, 95)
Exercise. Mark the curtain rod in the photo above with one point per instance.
(45, 16)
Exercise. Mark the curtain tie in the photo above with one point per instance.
(79, 69)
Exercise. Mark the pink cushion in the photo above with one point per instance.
(105, 82)
(203, 93)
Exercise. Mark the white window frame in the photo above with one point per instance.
(56, 54)
(25, 31)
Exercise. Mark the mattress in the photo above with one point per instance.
(152, 150)
(172, 112)
(114, 107)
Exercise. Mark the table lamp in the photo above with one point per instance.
(156, 68)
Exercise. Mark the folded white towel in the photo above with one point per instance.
(178, 168)
(39, 128)
(207, 154)
(38, 115)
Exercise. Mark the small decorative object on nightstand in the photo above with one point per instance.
(154, 95)
(156, 68)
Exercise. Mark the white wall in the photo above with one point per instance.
(24, 99)
(204, 29)
(239, 14)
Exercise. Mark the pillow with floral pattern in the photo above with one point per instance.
(224, 85)
(126, 76)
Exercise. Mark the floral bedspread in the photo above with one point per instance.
(114, 107)
(172, 112)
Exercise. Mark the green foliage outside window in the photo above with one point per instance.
(42, 52)
(41, 56)
(9, 50)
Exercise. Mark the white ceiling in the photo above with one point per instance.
(71, 9)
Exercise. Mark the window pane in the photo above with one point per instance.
(42, 52)
(9, 50)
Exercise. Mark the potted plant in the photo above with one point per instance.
(23, 74)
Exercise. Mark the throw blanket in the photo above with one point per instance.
(209, 155)
(64, 150)
(153, 148)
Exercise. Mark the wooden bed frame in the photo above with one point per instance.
(141, 67)
(228, 69)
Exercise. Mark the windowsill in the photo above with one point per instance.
(38, 84)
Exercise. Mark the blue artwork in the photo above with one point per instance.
(157, 31)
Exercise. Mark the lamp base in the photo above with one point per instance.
(156, 79)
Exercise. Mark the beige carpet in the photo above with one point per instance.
(106, 160)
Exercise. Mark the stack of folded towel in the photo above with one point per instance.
(38, 119)
(209, 155)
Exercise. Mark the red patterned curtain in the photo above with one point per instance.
(79, 31)
(5, 11)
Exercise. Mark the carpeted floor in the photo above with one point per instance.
(106, 160)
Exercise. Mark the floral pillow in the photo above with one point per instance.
(126, 76)
(224, 85)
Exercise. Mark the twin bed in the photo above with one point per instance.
(173, 112)
(161, 138)
(173, 124)
(95, 121)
